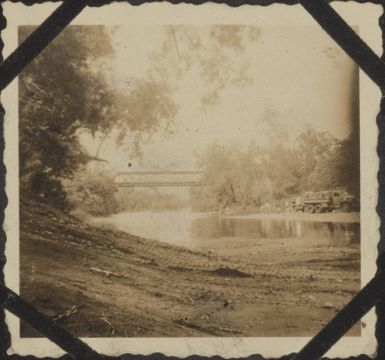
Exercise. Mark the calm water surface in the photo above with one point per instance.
(196, 230)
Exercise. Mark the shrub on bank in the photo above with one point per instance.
(91, 191)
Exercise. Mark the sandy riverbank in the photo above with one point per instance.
(100, 283)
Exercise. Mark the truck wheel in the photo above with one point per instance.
(318, 209)
(345, 207)
(310, 209)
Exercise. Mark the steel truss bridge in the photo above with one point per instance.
(158, 179)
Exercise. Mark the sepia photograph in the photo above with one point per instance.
(177, 196)
(190, 180)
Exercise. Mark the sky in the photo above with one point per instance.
(297, 79)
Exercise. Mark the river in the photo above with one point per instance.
(213, 232)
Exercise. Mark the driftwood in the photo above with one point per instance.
(106, 272)
(67, 313)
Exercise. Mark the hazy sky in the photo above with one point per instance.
(298, 79)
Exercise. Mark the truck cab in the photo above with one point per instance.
(342, 200)
(324, 201)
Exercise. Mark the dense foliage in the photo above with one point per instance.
(153, 200)
(59, 94)
(91, 191)
(252, 177)
(64, 93)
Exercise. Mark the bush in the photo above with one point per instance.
(92, 191)
(154, 200)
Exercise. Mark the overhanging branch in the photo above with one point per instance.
(39, 39)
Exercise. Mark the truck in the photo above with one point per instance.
(325, 201)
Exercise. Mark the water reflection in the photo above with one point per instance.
(195, 230)
(216, 227)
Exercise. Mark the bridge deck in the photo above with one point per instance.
(159, 179)
(160, 184)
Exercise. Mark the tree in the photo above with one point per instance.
(146, 104)
(248, 178)
(349, 163)
(210, 51)
(59, 94)
(64, 92)
(338, 167)
(234, 178)
(311, 147)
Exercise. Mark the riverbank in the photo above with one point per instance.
(98, 282)
(336, 217)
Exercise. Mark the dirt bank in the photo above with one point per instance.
(99, 282)
(338, 217)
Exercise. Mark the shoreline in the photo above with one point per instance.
(135, 287)
(337, 217)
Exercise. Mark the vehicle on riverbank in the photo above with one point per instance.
(324, 201)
